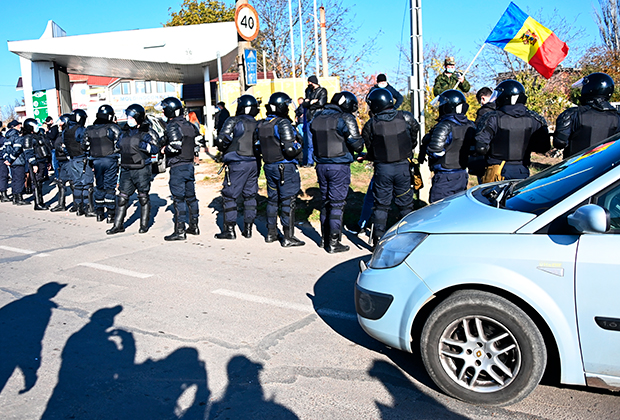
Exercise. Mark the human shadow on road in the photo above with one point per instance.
(99, 379)
(244, 397)
(409, 402)
(22, 326)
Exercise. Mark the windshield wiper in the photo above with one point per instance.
(508, 192)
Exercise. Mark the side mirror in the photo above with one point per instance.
(590, 219)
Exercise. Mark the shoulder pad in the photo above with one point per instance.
(537, 117)
(485, 118)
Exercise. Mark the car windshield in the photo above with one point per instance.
(542, 191)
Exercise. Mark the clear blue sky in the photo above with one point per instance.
(463, 24)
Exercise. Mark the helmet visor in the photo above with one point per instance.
(494, 96)
(159, 107)
(578, 84)
(435, 101)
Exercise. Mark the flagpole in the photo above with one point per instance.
(472, 62)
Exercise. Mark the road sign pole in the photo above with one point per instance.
(246, 20)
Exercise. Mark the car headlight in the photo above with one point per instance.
(393, 250)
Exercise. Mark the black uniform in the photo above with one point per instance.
(319, 95)
(180, 139)
(136, 146)
(509, 135)
(101, 138)
(580, 127)
(448, 146)
(38, 155)
(275, 139)
(236, 142)
(14, 155)
(336, 137)
(81, 175)
(390, 137)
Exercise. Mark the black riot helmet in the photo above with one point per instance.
(64, 119)
(509, 92)
(105, 113)
(80, 116)
(452, 102)
(137, 112)
(278, 104)
(346, 101)
(30, 126)
(595, 85)
(172, 107)
(247, 105)
(379, 100)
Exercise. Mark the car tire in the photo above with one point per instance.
(499, 367)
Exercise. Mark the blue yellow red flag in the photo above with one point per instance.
(519, 34)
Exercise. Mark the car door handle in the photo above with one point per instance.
(556, 271)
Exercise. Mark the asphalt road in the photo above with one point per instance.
(131, 327)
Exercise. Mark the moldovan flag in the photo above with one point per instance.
(519, 34)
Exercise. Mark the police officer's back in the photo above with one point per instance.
(336, 137)
(508, 135)
(236, 142)
(593, 121)
(390, 137)
(448, 146)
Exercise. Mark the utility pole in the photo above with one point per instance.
(324, 42)
(416, 81)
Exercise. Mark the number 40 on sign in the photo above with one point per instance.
(246, 20)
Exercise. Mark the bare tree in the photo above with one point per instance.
(346, 55)
(608, 22)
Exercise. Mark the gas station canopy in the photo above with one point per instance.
(172, 54)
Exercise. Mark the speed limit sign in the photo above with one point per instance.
(246, 20)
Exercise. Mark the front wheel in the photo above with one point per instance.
(482, 349)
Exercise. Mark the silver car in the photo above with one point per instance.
(500, 282)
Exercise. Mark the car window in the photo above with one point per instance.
(542, 191)
(610, 200)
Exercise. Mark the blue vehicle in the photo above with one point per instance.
(499, 282)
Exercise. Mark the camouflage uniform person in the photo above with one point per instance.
(449, 79)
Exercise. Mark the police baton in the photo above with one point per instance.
(281, 169)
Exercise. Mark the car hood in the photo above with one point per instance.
(462, 213)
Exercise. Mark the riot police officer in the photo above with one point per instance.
(4, 170)
(580, 127)
(235, 142)
(14, 157)
(275, 139)
(390, 137)
(81, 174)
(448, 144)
(336, 137)
(62, 176)
(38, 155)
(180, 139)
(136, 145)
(509, 134)
(100, 140)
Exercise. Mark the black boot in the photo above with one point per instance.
(18, 200)
(247, 230)
(334, 245)
(228, 233)
(60, 206)
(272, 234)
(4, 197)
(99, 211)
(73, 208)
(111, 214)
(79, 209)
(39, 204)
(289, 238)
(119, 220)
(145, 214)
(89, 207)
(179, 227)
(178, 234)
(192, 228)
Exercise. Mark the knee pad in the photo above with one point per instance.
(143, 198)
(122, 200)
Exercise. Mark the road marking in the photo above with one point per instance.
(116, 270)
(24, 251)
(286, 305)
